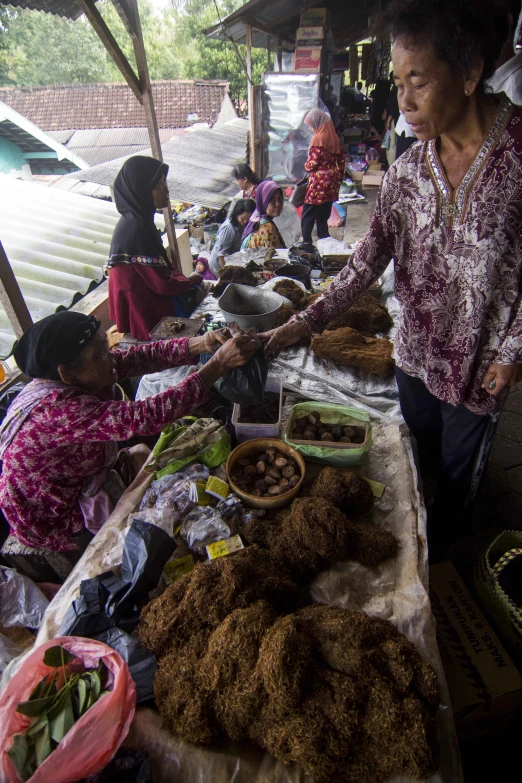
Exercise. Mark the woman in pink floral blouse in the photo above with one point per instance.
(325, 166)
(60, 436)
(450, 215)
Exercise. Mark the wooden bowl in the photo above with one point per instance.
(259, 445)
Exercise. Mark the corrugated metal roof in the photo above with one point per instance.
(56, 242)
(200, 164)
(280, 18)
(99, 145)
(67, 8)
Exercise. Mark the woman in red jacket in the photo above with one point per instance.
(325, 166)
(143, 286)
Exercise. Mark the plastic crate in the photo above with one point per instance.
(250, 431)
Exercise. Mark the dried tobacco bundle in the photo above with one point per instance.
(349, 348)
(366, 315)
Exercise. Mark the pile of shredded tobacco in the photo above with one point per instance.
(333, 690)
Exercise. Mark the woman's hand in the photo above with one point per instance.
(501, 376)
(285, 335)
(208, 342)
(235, 352)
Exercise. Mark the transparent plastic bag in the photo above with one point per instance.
(170, 497)
(203, 526)
(8, 651)
(21, 601)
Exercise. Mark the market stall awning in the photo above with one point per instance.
(280, 18)
(200, 165)
(67, 8)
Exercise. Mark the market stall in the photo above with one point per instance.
(393, 587)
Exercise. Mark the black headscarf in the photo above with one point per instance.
(55, 340)
(136, 240)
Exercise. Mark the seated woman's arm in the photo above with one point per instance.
(227, 240)
(84, 417)
(161, 355)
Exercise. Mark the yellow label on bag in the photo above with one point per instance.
(204, 498)
(376, 487)
(175, 569)
(219, 489)
(225, 547)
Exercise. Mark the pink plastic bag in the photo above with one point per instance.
(94, 739)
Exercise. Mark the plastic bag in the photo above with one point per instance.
(8, 651)
(246, 385)
(21, 601)
(206, 441)
(94, 738)
(171, 496)
(303, 253)
(128, 766)
(386, 141)
(330, 414)
(203, 526)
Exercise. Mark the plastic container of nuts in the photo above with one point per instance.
(333, 434)
(265, 473)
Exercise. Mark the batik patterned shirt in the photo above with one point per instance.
(63, 442)
(458, 264)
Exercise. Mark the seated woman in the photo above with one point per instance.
(143, 286)
(60, 437)
(261, 231)
(203, 269)
(247, 180)
(228, 238)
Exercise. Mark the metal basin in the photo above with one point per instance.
(249, 306)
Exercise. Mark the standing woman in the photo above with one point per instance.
(449, 213)
(325, 166)
(228, 239)
(261, 231)
(143, 286)
(247, 180)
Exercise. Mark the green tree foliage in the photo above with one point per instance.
(38, 48)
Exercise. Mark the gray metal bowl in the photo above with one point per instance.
(249, 306)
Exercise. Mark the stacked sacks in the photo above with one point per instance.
(332, 690)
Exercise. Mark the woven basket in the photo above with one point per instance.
(500, 607)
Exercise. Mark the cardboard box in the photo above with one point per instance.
(356, 176)
(314, 17)
(309, 36)
(373, 178)
(485, 686)
(307, 60)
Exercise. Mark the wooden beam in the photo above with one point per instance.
(250, 87)
(152, 122)
(108, 40)
(12, 298)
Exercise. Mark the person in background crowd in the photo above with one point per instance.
(143, 285)
(405, 137)
(61, 436)
(261, 231)
(247, 180)
(228, 239)
(325, 166)
(202, 268)
(449, 213)
(508, 76)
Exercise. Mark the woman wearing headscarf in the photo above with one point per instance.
(60, 437)
(203, 269)
(261, 231)
(143, 286)
(228, 239)
(325, 166)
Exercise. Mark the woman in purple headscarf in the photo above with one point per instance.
(261, 231)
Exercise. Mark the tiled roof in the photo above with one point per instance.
(179, 104)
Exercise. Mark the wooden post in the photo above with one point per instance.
(12, 298)
(130, 10)
(280, 54)
(269, 52)
(106, 37)
(250, 86)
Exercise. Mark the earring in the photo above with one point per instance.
(466, 92)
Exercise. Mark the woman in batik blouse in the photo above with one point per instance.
(60, 438)
(450, 215)
(261, 231)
